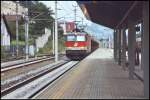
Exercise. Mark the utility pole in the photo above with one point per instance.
(56, 34)
(75, 14)
(17, 28)
(53, 38)
(64, 26)
(82, 21)
(82, 24)
(26, 33)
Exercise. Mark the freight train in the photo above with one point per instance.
(79, 45)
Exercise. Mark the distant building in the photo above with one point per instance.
(7, 19)
(9, 8)
(5, 34)
(8, 13)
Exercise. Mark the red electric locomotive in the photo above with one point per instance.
(79, 45)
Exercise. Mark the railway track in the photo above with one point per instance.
(22, 57)
(24, 63)
(6, 64)
(15, 74)
(31, 86)
(17, 62)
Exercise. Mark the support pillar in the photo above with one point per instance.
(145, 48)
(119, 47)
(115, 44)
(123, 48)
(142, 28)
(131, 49)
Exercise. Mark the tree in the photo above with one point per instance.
(35, 9)
(40, 25)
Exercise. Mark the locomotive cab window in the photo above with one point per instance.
(81, 38)
(70, 38)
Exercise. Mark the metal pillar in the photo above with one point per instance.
(17, 50)
(119, 47)
(115, 44)
(64, 26)
(56, 34)
(82, 24)
(142, 28)
(123, 48)
(26, 34)
(53, 38)
(131, 49)
(75, 10)
(145, 47)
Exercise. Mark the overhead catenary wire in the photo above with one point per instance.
(67, 10)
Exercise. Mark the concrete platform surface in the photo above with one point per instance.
(96, 77)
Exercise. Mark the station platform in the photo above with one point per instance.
(96, 77)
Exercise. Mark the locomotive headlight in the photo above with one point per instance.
(75, 44)
(83, 48)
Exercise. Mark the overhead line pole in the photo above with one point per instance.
(56, 34)
(75, 11)
(27, 33)
(53, 38)
(17, 28)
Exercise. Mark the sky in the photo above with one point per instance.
(66, 10)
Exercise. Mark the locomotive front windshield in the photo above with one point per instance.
(80, 38)
(71, 38)
(75, 38)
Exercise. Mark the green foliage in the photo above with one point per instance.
(60, 32)
(21, 31)
(2, 52)
(47, 49)
(13, 42)
(35, 29)
(61, 44)
(39, 25)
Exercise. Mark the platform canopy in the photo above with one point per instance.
(111, 13)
